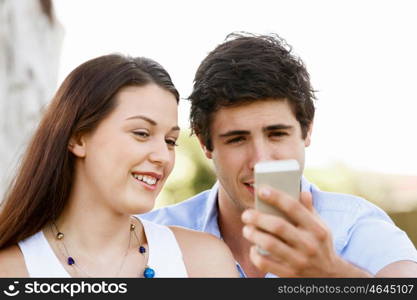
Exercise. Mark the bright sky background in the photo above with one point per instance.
(361, 55)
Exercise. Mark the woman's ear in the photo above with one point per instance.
(77, 145)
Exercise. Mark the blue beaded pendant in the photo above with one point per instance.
(70, 261)
(149, 273)
(142, 249)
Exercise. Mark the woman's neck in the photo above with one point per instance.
(96, 235)
(92, 226)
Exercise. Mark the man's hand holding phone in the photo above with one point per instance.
(294, 241)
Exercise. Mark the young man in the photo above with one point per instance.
(252, 101)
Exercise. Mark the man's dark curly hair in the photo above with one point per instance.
(247, 68)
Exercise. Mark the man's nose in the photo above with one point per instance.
(260, 152)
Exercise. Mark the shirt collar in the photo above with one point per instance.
(210, 220)
(306, 186)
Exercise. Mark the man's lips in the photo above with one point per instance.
(250, 187)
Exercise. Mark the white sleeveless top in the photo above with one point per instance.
(165, 255)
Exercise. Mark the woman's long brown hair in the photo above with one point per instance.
(40, 190)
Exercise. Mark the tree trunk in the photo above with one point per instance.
(30, 44)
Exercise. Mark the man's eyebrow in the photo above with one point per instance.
(247, 132)
(234, 132)
(277, 127)
(150, 121)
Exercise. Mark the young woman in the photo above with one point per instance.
(101, 154)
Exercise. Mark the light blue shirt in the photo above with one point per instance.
(363, 234)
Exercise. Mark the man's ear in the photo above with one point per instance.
(77, 145)
(307, 140)
(204, 147)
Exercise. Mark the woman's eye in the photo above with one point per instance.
(172, 143)
(142, 134)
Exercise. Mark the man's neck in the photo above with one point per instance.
(230, 226)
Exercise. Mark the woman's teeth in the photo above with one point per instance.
(145, 178)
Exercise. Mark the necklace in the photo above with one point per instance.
(147, 273)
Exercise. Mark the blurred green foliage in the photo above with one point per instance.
(192, 174)
(393, 193)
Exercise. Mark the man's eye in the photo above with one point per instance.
(278, 133)
(142, 134)
(235, 140)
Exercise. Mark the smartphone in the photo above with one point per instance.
(284, 175)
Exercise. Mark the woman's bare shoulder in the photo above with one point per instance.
(12, 263)
(204, 254)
